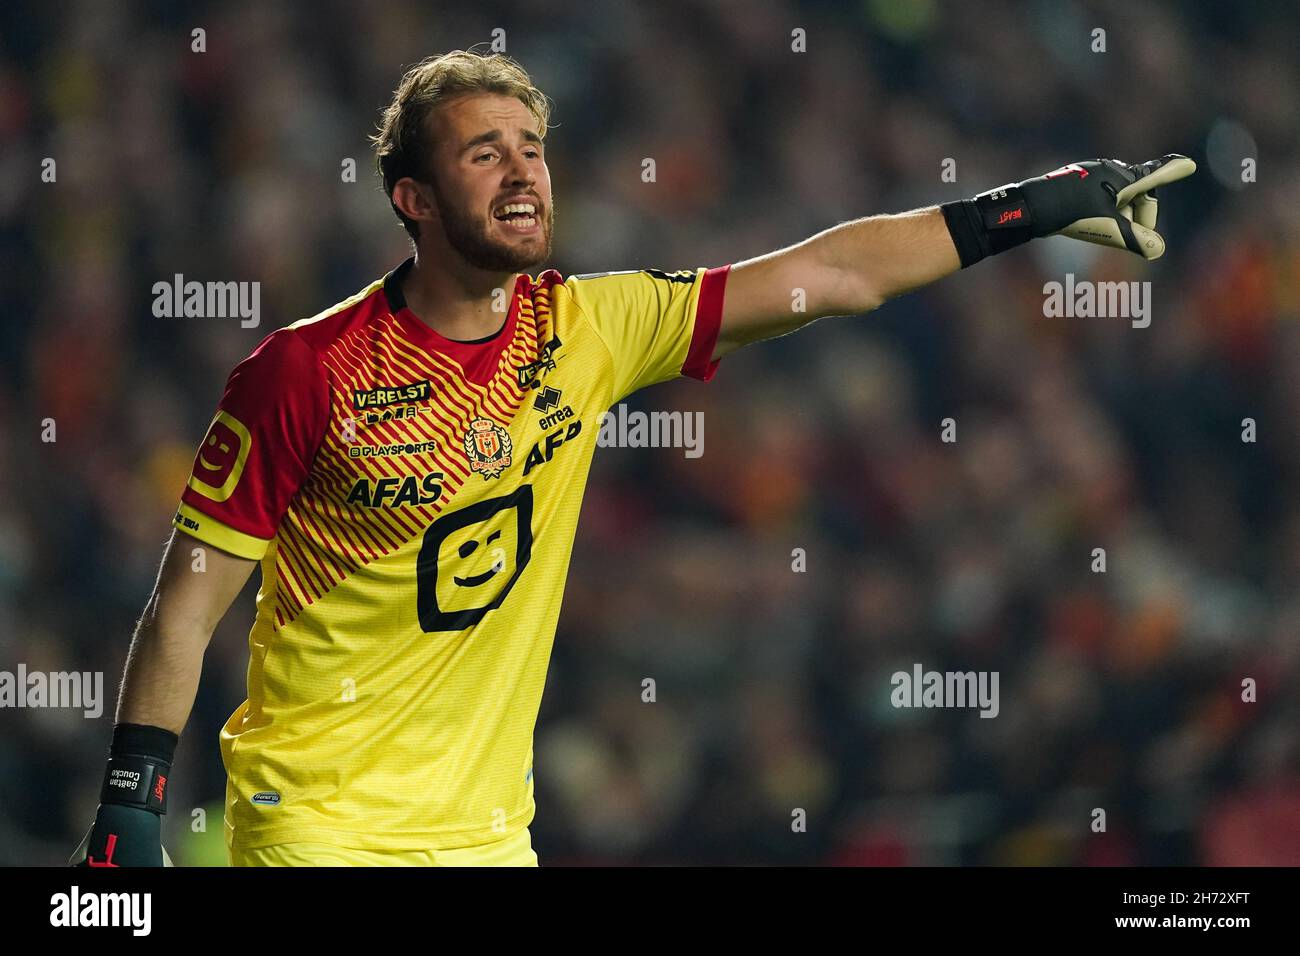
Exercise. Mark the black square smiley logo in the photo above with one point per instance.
(458, 559)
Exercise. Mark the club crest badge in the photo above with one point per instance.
(487, 446)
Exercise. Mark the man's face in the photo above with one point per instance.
(488, 154)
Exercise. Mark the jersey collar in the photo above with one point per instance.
(478, 357)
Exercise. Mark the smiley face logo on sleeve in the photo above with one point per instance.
(221, 458)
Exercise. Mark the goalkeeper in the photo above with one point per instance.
(407, 468)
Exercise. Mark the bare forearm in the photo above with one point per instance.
(162, 675)
(888, 255)
(851, 268)
(195, 586)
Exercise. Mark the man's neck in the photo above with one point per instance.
(463, 306)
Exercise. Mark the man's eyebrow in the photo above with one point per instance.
(494, 135)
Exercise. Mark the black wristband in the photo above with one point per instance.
(967, 234)
(994, 221)
(139, 765)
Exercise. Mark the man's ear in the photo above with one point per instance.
(415, 199)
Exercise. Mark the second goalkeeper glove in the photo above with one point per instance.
(1105, 201)
(128, 824)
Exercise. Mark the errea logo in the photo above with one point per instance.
(547, 399)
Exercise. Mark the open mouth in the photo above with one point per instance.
(518, 216)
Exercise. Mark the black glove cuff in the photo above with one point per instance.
(139, 766)
(970, 238)
(992, 222)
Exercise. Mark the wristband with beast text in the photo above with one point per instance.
(139, 766)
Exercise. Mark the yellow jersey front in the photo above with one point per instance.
(413, 502)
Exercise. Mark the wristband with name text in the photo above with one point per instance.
(139, 765)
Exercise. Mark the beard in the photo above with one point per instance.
(472, 238)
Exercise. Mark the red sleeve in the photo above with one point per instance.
(259, 447)
(700, 362)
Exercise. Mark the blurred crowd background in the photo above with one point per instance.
(1119, 690)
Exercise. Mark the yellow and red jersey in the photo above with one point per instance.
(413, 502)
